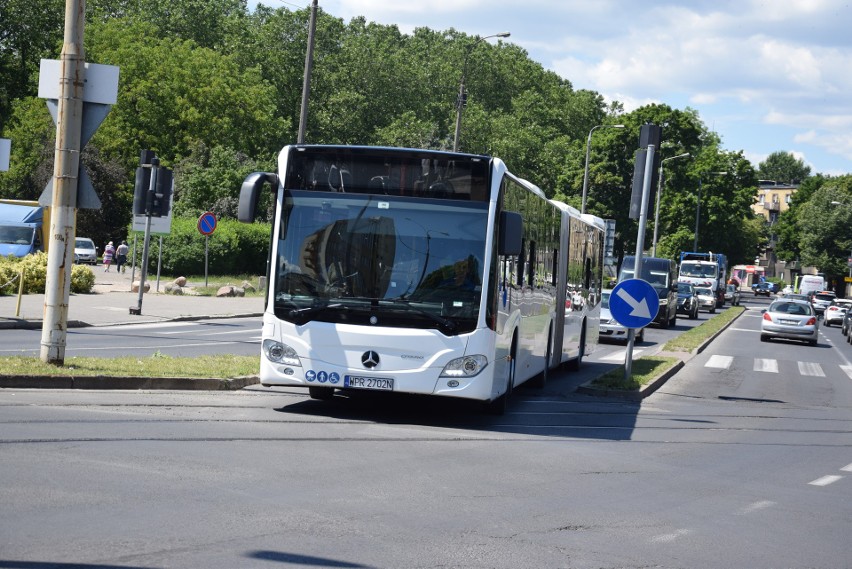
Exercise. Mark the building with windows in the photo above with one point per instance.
(773, 198)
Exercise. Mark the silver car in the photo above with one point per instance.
(85, 251)
(836, 311)
(790, 319)
(706, 299)
(610, 329)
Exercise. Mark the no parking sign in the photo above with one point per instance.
(207, 223)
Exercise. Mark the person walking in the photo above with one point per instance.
(109, 253)
(121, 257)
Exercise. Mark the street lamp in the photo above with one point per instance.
(460, 101)
(660, 185)
(586, 172)
(698, 205)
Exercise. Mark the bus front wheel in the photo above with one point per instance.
(321, 393)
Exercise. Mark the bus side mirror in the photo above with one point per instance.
(250, 191)
(511, 233)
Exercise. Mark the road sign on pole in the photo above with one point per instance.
(207, 223)
(634, 303)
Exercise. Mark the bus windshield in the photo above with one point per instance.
(380, 260)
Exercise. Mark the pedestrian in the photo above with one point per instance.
(109, 252)
(121, 257)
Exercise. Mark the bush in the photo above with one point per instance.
(235, 248)
(35, 275)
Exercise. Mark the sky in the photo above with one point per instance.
(764, 75)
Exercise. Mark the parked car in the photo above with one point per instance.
(762, 288)
(610, 328)
(687, 300)
(846, 325)
(790, 319)
(85, 251)
(732, 294)
(706, 300)
(823, 300)
(836, 311)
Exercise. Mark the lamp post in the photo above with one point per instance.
(660, 185)
(460, 101)
(698, 205)
(586, 171)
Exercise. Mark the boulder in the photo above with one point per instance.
(180, 281)
(135, 286)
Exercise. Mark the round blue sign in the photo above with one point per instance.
(207, 223)
(634, 303)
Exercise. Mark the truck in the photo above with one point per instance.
(23, 227)
(705, 270)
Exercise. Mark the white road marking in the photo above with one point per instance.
(721, 362)
(765, 365)
(619, 355)
(669, 537)
(847, 468)
(811, 369)
(826, 480)
(848, 370)
(756, 506)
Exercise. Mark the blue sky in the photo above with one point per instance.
(765, 75)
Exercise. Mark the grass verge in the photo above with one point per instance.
(645, 370)
(157, 365)
(214, 283)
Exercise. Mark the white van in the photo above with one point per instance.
(809, 284)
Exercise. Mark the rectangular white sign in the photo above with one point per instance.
(100, 85)
(5, 150)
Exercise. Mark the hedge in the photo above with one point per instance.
(35, 275)
(234, 248)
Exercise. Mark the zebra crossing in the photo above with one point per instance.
(768, 365)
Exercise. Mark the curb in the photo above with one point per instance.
(21, 324)
(126, 383)
(652, 386)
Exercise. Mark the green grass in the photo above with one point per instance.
(157, 365)
(215, 282)
(645, 370)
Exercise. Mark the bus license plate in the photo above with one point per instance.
(360, 382)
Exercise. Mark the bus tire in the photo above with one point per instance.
(574, 365)
(500, 405)
(321, 393)
(540, 380)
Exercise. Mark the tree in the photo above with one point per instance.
(787, 228)
(783, 167)
(825, 238)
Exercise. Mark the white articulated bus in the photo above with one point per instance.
(421, 271)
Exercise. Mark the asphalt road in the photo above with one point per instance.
(724, 466)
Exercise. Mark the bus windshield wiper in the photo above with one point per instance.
(308, 310)
(445, 322)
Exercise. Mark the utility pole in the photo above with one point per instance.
(306, 83)
(65, 172)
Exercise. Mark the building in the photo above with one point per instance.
(773, 198)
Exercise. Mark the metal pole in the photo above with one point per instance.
(143, 269)
(306, 83)
(159, 262)
(660, 185)
(586, 170)
(206, 243)
(133, 263)
(697, 216)
(460, 99)
(640, 245)
(64, 201)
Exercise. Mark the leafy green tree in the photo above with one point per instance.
(826, 238)
(787, 228)
(783, 167)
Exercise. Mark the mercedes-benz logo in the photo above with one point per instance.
(370, 359)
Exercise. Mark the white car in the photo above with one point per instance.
(610, 329)
(791, 320)
(836, 310)
(706, 299)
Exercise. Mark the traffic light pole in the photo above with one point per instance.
(149, 204)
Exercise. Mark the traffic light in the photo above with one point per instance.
(140, 190)
(162, 193)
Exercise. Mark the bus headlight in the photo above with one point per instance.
(467, 366)
(280, 353)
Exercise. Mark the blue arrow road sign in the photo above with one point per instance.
(634, 303)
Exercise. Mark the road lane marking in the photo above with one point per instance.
(720, 362)
(811, 369)
(755, 507)
(848, 370)
(669, 537)
(847, 468)
(766, 365)
(826, 480)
